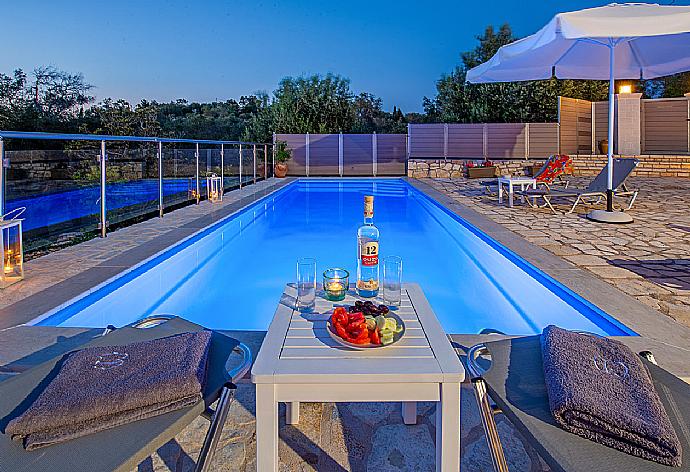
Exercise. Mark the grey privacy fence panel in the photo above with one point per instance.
(506, 140)
(323, 154)
(665, 125)
(482, 140)
(465, 140)
(391, 154)
(542, 140)
(426, 140)
(358, 158)
(297, 165)
(346, 154)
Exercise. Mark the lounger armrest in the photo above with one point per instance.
(242, 369)
(476, 371)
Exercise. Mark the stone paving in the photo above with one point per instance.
(648, 259)
(345, 437)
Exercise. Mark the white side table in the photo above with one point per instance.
(510, 182)
(299, 362)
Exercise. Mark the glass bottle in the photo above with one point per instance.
(368, 253)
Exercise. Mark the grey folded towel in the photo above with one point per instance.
(600, 390)
(102, 387)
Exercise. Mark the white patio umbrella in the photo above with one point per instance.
(616, 41)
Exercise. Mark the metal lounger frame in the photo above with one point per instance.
(584, 198)
(218, 416)
(488, 411)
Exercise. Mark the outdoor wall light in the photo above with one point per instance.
(12, 252)
(214, 188)
(625, 89)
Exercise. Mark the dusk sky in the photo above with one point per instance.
(216, 50)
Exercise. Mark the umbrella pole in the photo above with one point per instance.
(608, 215)
(612, 109)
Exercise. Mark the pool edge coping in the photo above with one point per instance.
(642, 319)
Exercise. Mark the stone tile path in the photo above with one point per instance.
(648, 259)
(344, 437)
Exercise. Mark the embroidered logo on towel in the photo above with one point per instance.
(616, 368)
(110, 360)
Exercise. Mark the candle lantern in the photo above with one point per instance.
(191, 188)
(12, 252)
(214, 188)
(336, 283)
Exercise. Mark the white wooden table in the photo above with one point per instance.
(510, 182)
(299, 362)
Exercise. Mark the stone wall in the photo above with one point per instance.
(75, 165)
(438, 168)
(583, 165)
(649, 166)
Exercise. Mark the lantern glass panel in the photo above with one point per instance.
(214, 188)
(12, 252)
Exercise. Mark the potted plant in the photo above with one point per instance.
(604, 146)
(283, 154)
(484, 170)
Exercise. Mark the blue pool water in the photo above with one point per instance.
(231, 276)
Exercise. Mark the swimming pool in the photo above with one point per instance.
(230, 276)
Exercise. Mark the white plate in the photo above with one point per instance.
(363, 347)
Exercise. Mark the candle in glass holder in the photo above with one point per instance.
(336, 283)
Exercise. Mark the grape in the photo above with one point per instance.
(383, 309)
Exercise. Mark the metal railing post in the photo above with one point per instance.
(341, 152)
(240, 166)
(273, 157)
(594, 128)
(306, 151)
(526, 141)
(198, 187)
(254, 154)
(408, 147)
(374, 153)
(265, 161)
(160, 179)
(104, 222)
(222, 167)
(2, 177)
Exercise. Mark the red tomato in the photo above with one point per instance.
(364, 340)
(357, 326)
(375, 338)
(340, 331)
(338, 317)
(355, 317)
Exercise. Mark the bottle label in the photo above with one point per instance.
(368, 207)
(369, 253)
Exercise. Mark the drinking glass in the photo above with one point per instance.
(306, 283)
(392, 280)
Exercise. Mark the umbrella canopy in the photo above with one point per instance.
(648, 41)
(617, 41)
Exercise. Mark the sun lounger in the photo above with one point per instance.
(595, 191)
(552, 170)
(515, 381)
(122, 448)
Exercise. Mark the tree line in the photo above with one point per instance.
(51, 100)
